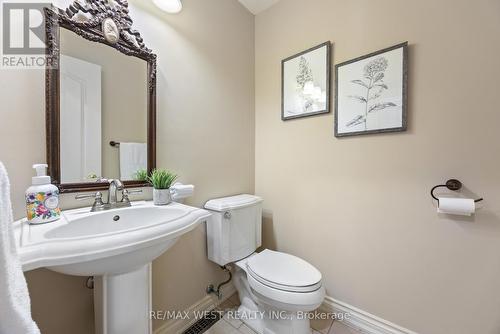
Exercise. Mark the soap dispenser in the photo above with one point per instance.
(42, 198)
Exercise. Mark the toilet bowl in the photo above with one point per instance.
(276, 290)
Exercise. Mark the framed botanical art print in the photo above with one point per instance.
(305, 83)
(370, 93)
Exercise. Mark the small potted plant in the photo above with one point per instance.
(141, 175)
(161, 180)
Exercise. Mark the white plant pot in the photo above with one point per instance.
(162, 196)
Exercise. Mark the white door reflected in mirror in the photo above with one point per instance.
(80, 119)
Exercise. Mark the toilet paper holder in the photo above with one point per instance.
(452, 184)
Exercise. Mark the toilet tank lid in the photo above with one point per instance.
(232, 202)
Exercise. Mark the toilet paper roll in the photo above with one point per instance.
(456, 206)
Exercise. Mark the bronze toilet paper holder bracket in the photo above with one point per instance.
(451, 184)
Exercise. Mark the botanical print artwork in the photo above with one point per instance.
(373, 84)
(370, 93)
(307, 100)
(305, 73)
(305, 83)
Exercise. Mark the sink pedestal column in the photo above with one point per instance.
(122, 302)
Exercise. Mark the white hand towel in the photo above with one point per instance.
(133, 157)
(15, 308)
(180, 191)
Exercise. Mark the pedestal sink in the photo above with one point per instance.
(117, 248)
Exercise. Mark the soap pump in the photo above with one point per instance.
(42, 198)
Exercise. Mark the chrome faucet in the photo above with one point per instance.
(115, 186)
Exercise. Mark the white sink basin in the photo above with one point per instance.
(108, 242)
(82, 224)
(115, 246)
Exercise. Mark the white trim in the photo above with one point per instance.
(361, 320)
(358, 319)
(207, 303)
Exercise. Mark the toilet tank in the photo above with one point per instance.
(234, 230)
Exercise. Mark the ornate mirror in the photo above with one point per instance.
(100, 97)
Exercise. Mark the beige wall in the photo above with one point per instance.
(205, 133)
(359, 208)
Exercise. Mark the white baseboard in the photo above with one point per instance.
(207, 303)
(358, 319)
(361, 320)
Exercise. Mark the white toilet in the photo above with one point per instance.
(276, 289)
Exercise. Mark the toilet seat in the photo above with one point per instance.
(286, 300)
(287, 288)
(283, 272)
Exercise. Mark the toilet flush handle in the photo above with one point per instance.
(227, 215)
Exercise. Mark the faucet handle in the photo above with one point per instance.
(97, 196)
(98, 203)
(127, 192)
(132, 192)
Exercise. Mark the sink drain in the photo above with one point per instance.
(116, 218)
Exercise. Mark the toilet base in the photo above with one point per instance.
(247, 316)
(263, 318)
(273, 321)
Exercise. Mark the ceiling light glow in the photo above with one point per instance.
(169, 6)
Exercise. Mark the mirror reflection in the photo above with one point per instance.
(103, 112)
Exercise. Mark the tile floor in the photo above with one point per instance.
(229, 325)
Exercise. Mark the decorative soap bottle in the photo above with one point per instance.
(42, 198)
